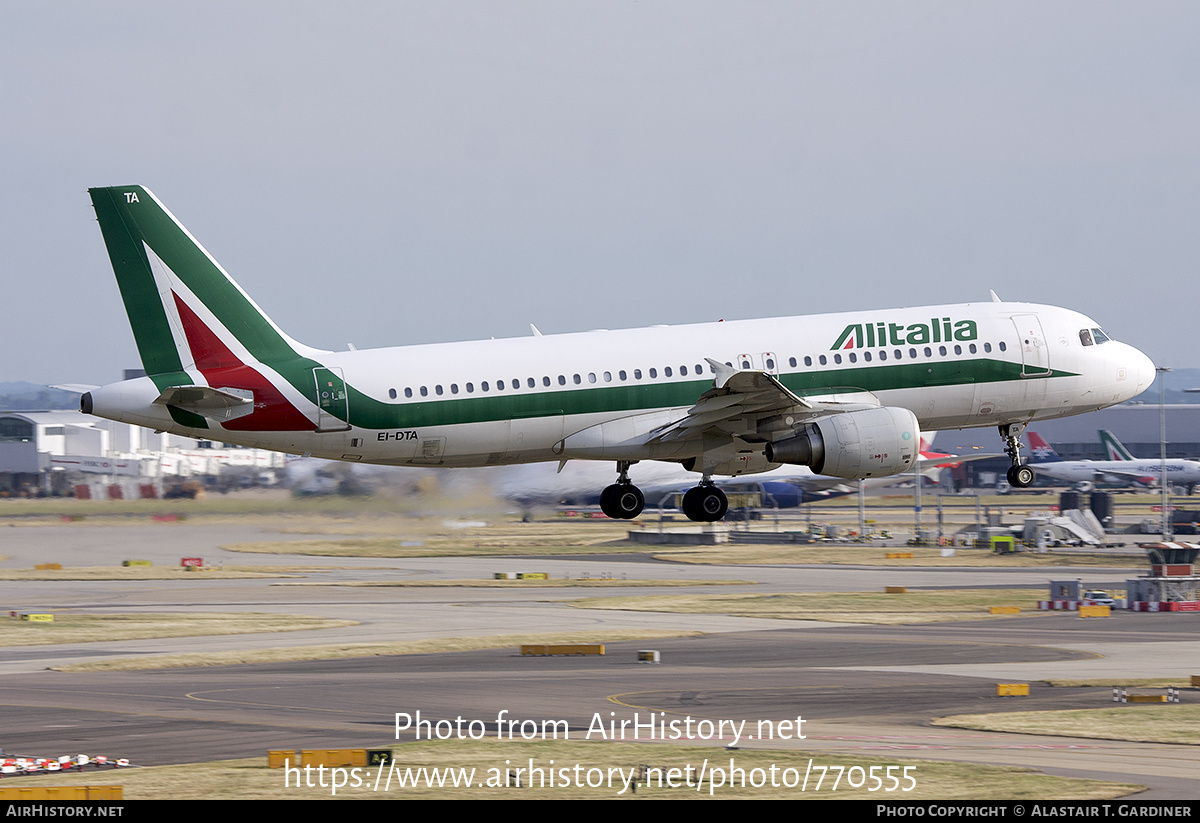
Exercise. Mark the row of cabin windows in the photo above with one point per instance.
(623, 376)
(898, 354)
(575, 379)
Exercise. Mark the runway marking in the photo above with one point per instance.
(195, 696)
(166, 716)
(186, 696)
(617, 698)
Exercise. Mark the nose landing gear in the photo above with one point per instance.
(1020, 475)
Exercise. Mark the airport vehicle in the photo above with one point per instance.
(1143, 472)
(845, 394)
(1100, 598)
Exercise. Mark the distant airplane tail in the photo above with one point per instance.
(194, 325)
(1114, 449)
(1041, 450)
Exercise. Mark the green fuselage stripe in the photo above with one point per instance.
(369, 413)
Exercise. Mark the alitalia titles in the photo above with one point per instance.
(937, 330)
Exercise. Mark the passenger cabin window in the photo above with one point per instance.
(392, 393)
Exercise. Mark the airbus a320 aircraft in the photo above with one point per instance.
(1125, 469)
(845, 394)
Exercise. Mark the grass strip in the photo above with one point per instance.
(842, 607)
(94, 628)
(1153, 723)
(346, 650)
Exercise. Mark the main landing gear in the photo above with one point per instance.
(1020, 475)
(622, 500)
(705, 503)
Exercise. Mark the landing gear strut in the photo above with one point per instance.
(1020, 475)
(705, 503)
(622, 500)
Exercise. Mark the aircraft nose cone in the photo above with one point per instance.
(1143, 367)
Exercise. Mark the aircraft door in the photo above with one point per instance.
(333, 410)
(1035, 354)
(770, 362)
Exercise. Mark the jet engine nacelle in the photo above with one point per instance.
(866, 443)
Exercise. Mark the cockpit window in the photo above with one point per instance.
(1085, 337)
(1100, 336)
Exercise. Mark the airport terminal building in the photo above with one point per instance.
(62, 452)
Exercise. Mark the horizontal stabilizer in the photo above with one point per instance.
(215, 404)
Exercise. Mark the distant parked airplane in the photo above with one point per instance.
(1145, 472)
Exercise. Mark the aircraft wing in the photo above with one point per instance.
(939, 460)
(1110, 476)
(747, 403)
(747, 407)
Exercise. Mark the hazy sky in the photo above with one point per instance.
(385, 173)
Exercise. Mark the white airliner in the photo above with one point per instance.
(1145, 471)
(845, 394)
